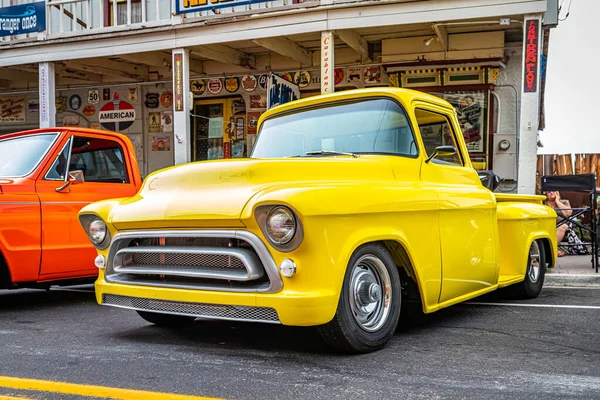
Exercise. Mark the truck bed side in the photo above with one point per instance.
(521, 220)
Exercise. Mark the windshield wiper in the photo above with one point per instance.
(330, 152)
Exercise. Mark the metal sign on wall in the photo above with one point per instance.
(532, 27)
(26, 18)
(280, 91)
(190, 6)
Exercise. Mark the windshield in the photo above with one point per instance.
(362, 127)
(20, 155)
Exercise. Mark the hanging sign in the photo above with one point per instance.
(116, 115)
(327, 62)
(25, 18)
(249, 83)
(262, 81)
(302, 78)
(215, 85)
(198, 86)
(281, 91)
(232, 84)
(531, 55)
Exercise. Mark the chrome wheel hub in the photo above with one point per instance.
(534, 262)
(370, 293)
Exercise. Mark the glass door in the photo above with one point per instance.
(208, 130)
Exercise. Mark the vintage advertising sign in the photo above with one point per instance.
(178, 80)
(327, 79)
(190, 6)
(26, 18)
(280, 91)
(116, 115)
(530, 77)
(12, 109)
(93, 96)
(471, 110)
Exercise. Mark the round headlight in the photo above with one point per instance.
(97, 231)
(281, 225)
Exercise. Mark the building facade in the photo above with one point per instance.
(186, 80)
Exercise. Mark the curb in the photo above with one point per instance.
(572, 280)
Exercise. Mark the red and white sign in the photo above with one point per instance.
(327, 82)
(116, 115)
(215, 85)
(532, 27)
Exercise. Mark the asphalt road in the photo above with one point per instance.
(494, 348)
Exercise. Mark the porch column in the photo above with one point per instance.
(47, 93)
(181, 106)
(530, 104)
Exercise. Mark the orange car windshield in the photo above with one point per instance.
(372, 126)
(19, 156)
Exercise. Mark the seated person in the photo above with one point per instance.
(562, 209)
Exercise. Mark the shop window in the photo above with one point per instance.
(136, 12)
(100, 160)
(436, 130)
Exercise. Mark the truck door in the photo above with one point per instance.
(467, 209)
(107, 173)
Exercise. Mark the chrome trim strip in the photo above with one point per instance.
(66, 202)
(252, 270)
(19, 202)
(276, 284)
(197, 315)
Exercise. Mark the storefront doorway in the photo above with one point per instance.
(219, 129)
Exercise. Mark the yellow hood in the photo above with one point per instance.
(214, 193)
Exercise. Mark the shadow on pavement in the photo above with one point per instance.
(231, 336)
(33, 299)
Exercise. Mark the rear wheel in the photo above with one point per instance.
(531, 286)
(369, 305)
(166, 320)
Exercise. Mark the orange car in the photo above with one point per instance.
(41, 239)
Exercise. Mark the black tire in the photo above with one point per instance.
(344, 332)
(531, 286)
(166, 320)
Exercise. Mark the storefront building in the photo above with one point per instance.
(187, 80)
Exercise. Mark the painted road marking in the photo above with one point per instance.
(89, 390)
(12, 398)
(475, 303)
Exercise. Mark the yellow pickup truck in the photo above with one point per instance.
(349, 204)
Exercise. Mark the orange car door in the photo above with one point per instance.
(66, 249)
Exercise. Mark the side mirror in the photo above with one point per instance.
(443, 151)
(74, 177)
(489, 179)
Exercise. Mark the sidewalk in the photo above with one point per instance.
(573, 271)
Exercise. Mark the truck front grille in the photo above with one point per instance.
(205, 260)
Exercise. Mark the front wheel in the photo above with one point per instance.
(166, 320)
(369, 305)
(531, 286)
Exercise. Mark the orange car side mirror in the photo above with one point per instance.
(74, 177)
